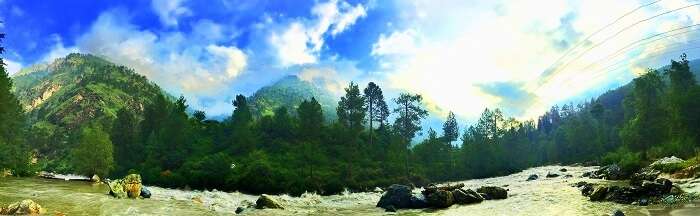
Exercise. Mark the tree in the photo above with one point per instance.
(93, 152)
(450, 128)
(14, 152)
(310, 126)
(128, 150)
(351, 108)
(243, 138)
(410, 111)
(646, 128)
(376, 107)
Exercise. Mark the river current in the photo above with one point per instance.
(544, 196)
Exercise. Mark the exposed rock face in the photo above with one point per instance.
(532, 177)
(493, 192)
(24, 207)
(129, 186)
(265, 201)
(441, 199)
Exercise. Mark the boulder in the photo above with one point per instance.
(24, 207)
(129, 186)
(532, 177)
(239, 210)
(95, 179)
(265, 201)
(493, 192)
(377, 190)
(390, 208)
(441, 199)
(623, 195)
(586, 174)
(610, 172)
(145, 193)
(398, 196)
(599, 194)
(467, 196)
(552, 175)
(418, 201)
(618, 213)
(666, 161)
(563, 170)
(659, 187)
(585, 187)
(645, 174)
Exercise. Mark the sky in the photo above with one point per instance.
(461, 56)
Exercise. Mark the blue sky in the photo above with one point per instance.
(461, 56)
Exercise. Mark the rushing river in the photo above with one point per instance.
(545, 196)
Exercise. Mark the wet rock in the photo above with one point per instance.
(599, 194)
(398, 196)
(552, 175)
(568, 176)
(418, 201)
(467, 196)
(239, 210)
(643, 202)
(441, 199)
(610, 172)
(618, 213)
(624, 195)
(563, 170)
(675, 190)
(145, 193)
(532, 177)
(586, 174)
(585, 187)
(265, 201)
(24, 207)
(390, 208)
(95, 179)
(645, 174)
(129, 186)
(492, 192)
(377, 190)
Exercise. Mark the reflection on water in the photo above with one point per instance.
(545, 196)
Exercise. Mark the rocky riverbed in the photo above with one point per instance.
(544, 195)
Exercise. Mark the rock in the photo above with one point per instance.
(440, 199)
(95, 179)
(585, 187)
(390, 208)
(532, 177)
(675, 190)
(129, 186)
(599, 194)
(688, 172)
(618, 213)
(418, 201)
(433, 188)
(645, 174)
(666, 161)
(610, 172)
(493, 192)
(265, 201)
(643, 202)
(552, 175)
(377, 190)
(398, 196)
(24, 207)
(656, 188)
(568, 176)
(586, 174)
(623, 195)
(467, 196)
(145, 193)
(563, 170)
(239, 210)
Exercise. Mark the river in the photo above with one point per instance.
(545, 196)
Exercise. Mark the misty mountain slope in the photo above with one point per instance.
(80, 88)
(289, 92)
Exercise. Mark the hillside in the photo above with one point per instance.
(80, 88)
(289, 92)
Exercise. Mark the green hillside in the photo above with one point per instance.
(289, 92)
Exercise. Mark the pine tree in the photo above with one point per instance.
(128, 149)
(450, 128)
(410, 113)
(93, 153)
(14, 152)
(377, 110)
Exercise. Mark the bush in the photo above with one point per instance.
(628, 161)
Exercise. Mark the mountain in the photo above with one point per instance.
(289, 92)
(81, 88)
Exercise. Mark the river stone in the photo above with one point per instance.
(145, 193)
(618, 213)
(552, 175)
(467, 196)
(563, 170)
(390, 208)
(396, 195)
(599, 194)
(493, 192)
(441, 199)
(116, 189)
(418, 201)
(95, 179)
(239, 210)
(265, 201)
(132, 185)
(532, 177)
(645, 174)
(24, 207)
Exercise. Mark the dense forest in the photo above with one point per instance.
(369, 144)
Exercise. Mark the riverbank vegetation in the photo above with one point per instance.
(370, 144)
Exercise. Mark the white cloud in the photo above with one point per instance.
(397, 43)
(58, 50)
(169, 11)
(235, 59)
(300, 41)
(12, 67)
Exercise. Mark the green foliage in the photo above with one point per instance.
(93, 154)
(628, 161)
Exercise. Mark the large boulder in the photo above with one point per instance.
(398, 196)
(129, 186)
(24, 207)
(532, 177)
(467, 196)
(265, 201)
(552, 175)
(441, 199)
(645, 174)
(493, 192)
(585, 187)
(418, 201)
(659, 187)
(145, 193)
(666, 161)
(599, 194)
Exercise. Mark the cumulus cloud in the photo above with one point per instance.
(169, 11)
(300, 41)
(466, 56)
(12, 67)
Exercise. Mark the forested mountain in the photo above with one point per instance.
(289, 92)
